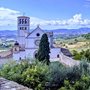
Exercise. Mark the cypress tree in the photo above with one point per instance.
(44, 50)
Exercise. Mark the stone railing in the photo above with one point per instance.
(10, 85)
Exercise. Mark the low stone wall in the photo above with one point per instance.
(10, 85)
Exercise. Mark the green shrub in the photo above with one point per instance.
(35, 76)
(55, 76)
(82, 55)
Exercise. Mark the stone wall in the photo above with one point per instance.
(10, 85)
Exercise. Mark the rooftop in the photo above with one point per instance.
(23, 17)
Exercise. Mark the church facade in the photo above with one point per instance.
(27, 42)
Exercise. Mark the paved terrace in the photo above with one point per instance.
(68, 61)
(10, 85)
(63, 59)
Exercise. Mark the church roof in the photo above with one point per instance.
(16, 43)
(37, 28)
(49, 33)
(66, 52)
(23, 17)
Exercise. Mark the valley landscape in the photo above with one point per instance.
(44, 44)
(73, 39)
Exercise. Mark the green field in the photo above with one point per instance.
(78, 43)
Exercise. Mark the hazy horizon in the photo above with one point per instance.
(49, 14)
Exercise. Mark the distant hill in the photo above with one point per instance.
(63, 32)
(71, 31)
(8, 34)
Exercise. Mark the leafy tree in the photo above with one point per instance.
(82, 55)
(77, 55)
(87, 54)
(76, 40)
(44, 50)
(87, 36)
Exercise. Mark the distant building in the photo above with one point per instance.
(27, 42)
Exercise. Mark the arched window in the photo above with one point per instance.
(58, 56)
(22, 21)
(25, 21)
(35, 54)
(25, 28)
(20, 58)
(19, 21)
(20, 28)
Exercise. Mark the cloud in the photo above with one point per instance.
(8, 20)
(78, 20)
(8, 17)
(75, 21)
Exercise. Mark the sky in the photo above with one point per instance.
(49, 14)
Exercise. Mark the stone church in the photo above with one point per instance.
(27, 42)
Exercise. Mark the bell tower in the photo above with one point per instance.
(23, 25)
